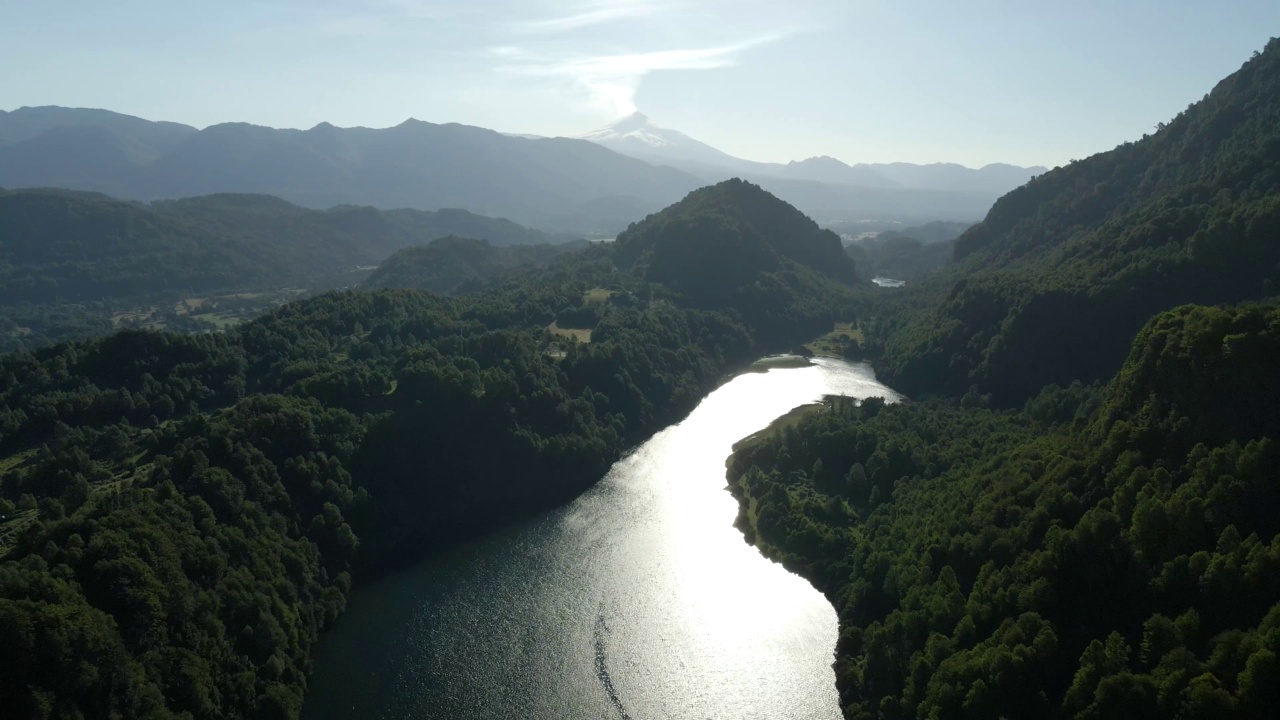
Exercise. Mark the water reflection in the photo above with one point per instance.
(639, 600)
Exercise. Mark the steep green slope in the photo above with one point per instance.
(1053, 284)
(60, 245)
(1105, 553)
(450, 264)
(733, 245)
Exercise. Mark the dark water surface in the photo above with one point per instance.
(639, 600)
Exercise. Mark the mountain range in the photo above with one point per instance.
(638, 136)
(594, 186)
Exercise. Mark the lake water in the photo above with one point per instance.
(637, 601)
(885, 282)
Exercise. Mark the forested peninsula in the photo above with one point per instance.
(1078, 515)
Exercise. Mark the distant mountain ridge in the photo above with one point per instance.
(640, 137)
(557, 184)
(594, 186)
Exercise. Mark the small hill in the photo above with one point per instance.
(723, 237)
(1054, 283)
(734, 246)
(452, 264)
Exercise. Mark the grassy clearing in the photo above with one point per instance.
(222, 321)
(834, 343)
(146, 315)
(12, 526)
(596, 296)
(580, 334)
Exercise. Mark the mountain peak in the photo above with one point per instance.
(636, 122)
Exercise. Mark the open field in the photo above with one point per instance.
(596, 296)
(833, 344)
(582, 335)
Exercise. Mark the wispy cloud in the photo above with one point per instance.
(591, 14)
(612, 80)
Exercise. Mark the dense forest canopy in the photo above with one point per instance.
(734, 245)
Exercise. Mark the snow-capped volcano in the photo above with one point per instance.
(638, 136)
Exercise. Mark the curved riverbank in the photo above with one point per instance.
(639, 599)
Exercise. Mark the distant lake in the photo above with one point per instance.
(637, 601)
(888, 282)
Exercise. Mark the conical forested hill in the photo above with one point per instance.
(1054, 283)
(736, 229)
(735, 246)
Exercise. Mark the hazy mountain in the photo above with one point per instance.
(636, 135)
(830, 170)
(824, 187)
(553, 183)
(30, 122)
(640, 137)
(996, 178)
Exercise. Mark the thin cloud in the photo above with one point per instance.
(612, 80)
(589, 15)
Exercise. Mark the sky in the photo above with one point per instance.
(1028, 83)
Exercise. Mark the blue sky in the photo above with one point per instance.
(972, 82)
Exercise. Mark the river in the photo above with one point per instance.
(637, 601)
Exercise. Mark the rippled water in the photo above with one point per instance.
(639, 600)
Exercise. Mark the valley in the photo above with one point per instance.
(1004, 447)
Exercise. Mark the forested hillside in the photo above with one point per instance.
(1053, 284)
(454, 264)
(73, 264)
(733, 245)
(907, 254)
(61, 245)
(1105, 552)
